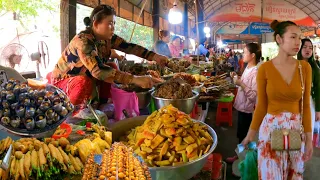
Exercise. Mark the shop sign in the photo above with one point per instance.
(250, 11)
(257, 28)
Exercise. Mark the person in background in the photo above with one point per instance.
(161, 46)
(279, 104)
(241, 64)
(202, 50)
(247, 91)
(317, 60)
(83, 67)
(306, 53)
(175, 47)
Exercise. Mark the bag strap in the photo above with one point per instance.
(302, 88)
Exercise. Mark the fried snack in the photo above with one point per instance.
(27, 159)
(169, 137)
(117, 163)
(186, 77)
(63, 142)
(34, 160)
(172, 89)
(42, 158)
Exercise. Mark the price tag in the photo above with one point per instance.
(3, 77)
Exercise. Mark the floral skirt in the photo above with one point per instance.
(279, 165)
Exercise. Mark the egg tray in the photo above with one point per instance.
(48, 127)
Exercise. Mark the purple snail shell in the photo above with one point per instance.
(56, 117)
(41, 121)
(26, 102)
(3, 94)
(57, 108)
(1, 112)
(31, 93)
(20, 110)
(5, 104)
(29, 123)
(6, 112)
(38, 111)
(16, 89)
(24, 88)
(15, 121)
(69, 106)
(50, 113)
(13, 106)
(63, 111)
(39, 100)
(9, 86)
(5, 120)
(30, 111)
(42, 92)
(10, 96)
(22, 96)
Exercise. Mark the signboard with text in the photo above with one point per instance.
(250, 11)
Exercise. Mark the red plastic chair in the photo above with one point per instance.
(224, 113)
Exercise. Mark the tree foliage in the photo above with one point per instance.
(26, 8)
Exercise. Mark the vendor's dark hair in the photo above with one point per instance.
(280, 27)
(163, 33)
(98, 14)
(255, 49)
(299, 55)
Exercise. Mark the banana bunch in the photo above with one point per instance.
(118, 163)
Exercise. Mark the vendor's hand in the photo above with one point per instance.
(145, 81)
(233, 74)
(237, 81)
(161, 60)
(308, 151)
(317, 116)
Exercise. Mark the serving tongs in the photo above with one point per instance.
(94, 114)
(6, 160)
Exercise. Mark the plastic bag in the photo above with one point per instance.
(316, 135)
(123, 100)
(249, 166)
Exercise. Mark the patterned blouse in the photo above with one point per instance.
(85, 55)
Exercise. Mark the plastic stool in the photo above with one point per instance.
(224, 113)
(194, 112)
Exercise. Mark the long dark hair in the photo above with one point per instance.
(255, 49)
(98, 14)
(299, 55)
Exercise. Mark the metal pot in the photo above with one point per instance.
(184, 105)
(144, 98)
(181, 172)
(197, 88)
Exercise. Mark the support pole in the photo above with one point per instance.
(185, 26)
(67, 21)
(155, 19)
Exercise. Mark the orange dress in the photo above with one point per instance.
(278, 107)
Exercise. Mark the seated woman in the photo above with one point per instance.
(82, 66)
(161, 46)
(175, 47)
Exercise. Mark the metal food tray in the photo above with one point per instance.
(36, 132)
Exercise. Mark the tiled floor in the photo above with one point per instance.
(227, 143)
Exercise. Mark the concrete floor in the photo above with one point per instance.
(227, 143)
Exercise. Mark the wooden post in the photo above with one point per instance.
(185, 25)
(155, 19)
(67, 21)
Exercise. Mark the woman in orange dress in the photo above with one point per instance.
(279, 98)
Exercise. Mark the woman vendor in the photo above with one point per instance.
(82, 71)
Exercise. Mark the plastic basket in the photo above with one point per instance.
(226, 99)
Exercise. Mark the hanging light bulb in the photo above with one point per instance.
(207, 35)
(206, 30)
(175, 16)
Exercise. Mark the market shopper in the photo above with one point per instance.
(279, 91)
(306, 53)
(175, 46)
(247, 91)
(161, 46)
(82, 65)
